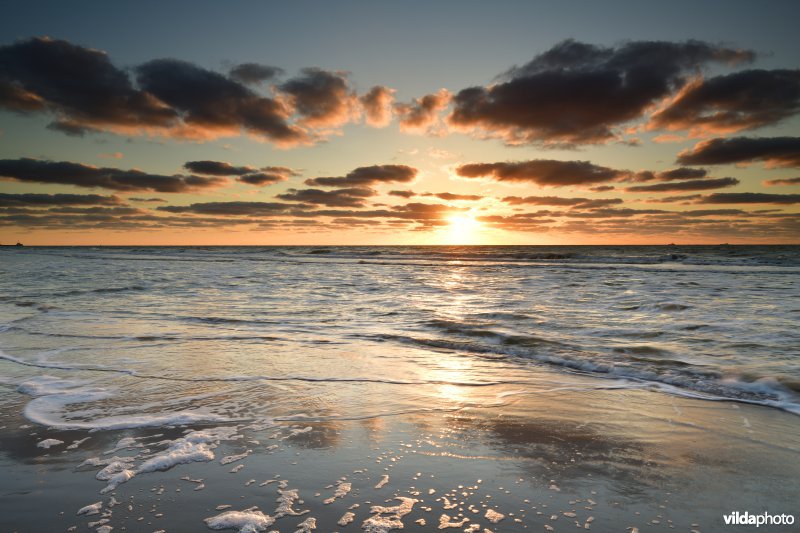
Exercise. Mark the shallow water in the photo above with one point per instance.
(542, 362)
(203, 331)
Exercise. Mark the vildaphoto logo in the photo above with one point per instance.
(764, 519)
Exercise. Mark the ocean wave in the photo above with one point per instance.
(682, 375)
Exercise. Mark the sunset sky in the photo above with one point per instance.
(409, 122)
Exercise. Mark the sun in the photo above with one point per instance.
(462, 229)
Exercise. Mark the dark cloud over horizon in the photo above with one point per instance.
(244, 174)
(548, 172)
(80, 175)
(31, 199)
(231, 208)
(365, 176)
(349, 197)
(85, 92)
(254, 72)
(692, 185)
(682, 173)
(422, 114)
(734, 102)
(576, 203)
(750, 198)
(449, 196)
(578, 93)
(80, 86)
(217, 168)
(211, 104)
(785, 181)
(322, 98)
(778, 152)
(572, 94)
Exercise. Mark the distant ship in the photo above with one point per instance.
(6, 245)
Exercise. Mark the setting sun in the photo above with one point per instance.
(463, 229)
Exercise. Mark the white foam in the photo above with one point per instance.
(493, 516)
(195, 446)
(180, 452)
(346, 518)
(77, 443)
(233, 458)
(446, 522)
(384, 524)
(46, 443)
(52, 395)
(342, 489)
(307, 525)
(297, 431)
(285, 501)
(115, 467)
(118, 479)
(90, 509)
(247, 521)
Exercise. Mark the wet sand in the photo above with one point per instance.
(602, 460)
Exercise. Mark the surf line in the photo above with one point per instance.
(309, 379)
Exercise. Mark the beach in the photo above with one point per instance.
(384, 388)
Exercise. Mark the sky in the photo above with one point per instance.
(380, 123)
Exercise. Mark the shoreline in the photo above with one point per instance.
(641, 458)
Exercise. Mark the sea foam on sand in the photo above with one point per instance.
(196, 446)
(247, 521)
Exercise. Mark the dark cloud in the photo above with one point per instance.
(117, 221)
(612, 213)
(424, 215)
(422, 114)
(711, 213)
(734, 102)
(693, 185)
(67, 173)
(451, 196)
(377, 104)
(403, 194)
(216, 168)
(350, 197)
(151, 200)
(750, 198)
(577, 93)
(246, 174)
(544, 172)
(98, 210)
(79, 85)
(250, 209)
(682, 173)
(14, 97)
(602, 188)
(267, 176)
(774, 151)
(673, 199)
(787, 181)
(576, 203)
(372, 175)
(71, 128)
(212, 105)
(254, 73)
(36, 200)
(324, 99)
(86, 92)
(678, 225)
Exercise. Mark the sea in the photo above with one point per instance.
(99, 339)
